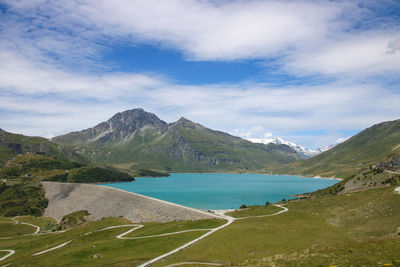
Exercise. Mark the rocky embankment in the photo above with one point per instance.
(100, 202)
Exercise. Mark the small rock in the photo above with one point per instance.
(97, 256)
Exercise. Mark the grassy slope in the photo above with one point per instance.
(10, 228)
(113, 251)
(369, 147)
(13, 144)
(254, 211)
(356, 229)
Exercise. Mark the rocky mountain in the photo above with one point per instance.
(376, 144)
(303, 152)
(121, 128)
(15, 144)
(136, 139)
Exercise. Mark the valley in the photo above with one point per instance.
(353, 222)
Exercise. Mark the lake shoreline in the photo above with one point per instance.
(303, 176)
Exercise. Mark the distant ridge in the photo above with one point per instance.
(138, 139)
(377, 143)
(303, 152)
(14, 144)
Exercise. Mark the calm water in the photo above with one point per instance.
(223, 191)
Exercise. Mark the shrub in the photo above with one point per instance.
(243, 206)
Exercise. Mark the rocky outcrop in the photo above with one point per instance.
(393, 164)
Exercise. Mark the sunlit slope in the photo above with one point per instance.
(373, 145)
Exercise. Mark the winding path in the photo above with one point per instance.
(228, 218)
(53, 248)
(10, 252)
(194, 262)
(35, 226)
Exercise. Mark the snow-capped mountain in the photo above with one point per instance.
(304, 152)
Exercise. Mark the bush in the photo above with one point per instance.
(243, 206)
(22, 199)
(267, 204)
(58, 178)
(97, 174)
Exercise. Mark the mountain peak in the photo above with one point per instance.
(121, 127)
(183, 120)
(134, 118)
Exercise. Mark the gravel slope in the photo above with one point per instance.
(101, 202)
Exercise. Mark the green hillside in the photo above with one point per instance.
(135, 139)
(14, 144)
(21, 192)
(375, 144)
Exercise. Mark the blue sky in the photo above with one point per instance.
(312, 72)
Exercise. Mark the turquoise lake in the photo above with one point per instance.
(223, 191)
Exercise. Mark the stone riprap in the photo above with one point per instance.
(101, 202)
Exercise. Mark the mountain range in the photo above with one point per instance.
(136, 139)
(303, 152)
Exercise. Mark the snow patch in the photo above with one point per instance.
(304, 152)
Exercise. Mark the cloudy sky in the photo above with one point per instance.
(312, 72)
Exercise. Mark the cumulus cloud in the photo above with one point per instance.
(365, 54)
(254, 132)
(304, 36)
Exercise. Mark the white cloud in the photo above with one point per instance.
(341, 140)
(305, 37)
(40, 99)
(254, 132)
(365, 54)
(215, 31)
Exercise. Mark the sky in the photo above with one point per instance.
(311, 72)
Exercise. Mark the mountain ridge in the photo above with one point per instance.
(12, 144)
(136, 138)
(303, 151)
(369, 147)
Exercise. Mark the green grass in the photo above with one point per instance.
(113, 251)
(254, 211)
(161, 228)
(9, 228)
(356, 229)
(46, 224)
